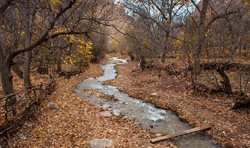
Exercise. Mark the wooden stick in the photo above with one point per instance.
(189, 131)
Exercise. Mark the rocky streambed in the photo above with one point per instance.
(153, 119)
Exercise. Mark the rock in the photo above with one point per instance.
(216, 100)
(53, 106)
(153, 94)
(159, 120)
(106, 106)
(158, 135)
(105, 114)
(22, 137)
(101, 143)
(121, 102)
(117, 112)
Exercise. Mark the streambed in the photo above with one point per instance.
(150, 118)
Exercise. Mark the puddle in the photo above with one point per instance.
(150, 118)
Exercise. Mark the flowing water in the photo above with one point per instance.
(150, 118)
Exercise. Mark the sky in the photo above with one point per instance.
(181, 12)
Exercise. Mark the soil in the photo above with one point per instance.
(230, 128)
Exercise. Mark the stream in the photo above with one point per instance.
(153, 119)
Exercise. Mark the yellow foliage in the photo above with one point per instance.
(80, 51)
(83, 53)
(2, 27)
(245, 2)
(186, 1)
(178, 44)
(114, 43)
(146, 43)
(59, 29)
(55, 2)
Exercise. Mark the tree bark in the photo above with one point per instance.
(201, 38)
(7, 83)
(164, 54)
(5, 72)
(226, 82)
(142, 63)
(59, 65)
(6, 77)
(26, 70)
(17, 70)
(27, 42)
(15, 66)
(59, 61)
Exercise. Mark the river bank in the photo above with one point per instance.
(230, 128)
(154, 120)
(75, 122)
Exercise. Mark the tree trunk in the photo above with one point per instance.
(59, 62)
(27, 42)
(17, 70)
(6, 77)
(201, 38)
(164, 53)
(226, 82)
(27, 62)
(59, 65)
(15, 67)
(7, 83)
(5, 68)
(142, 63)
(26, 70)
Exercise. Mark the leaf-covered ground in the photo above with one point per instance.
(36, 79)
(76, 122)
(230, 128)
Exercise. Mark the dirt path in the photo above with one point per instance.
(76, 122)
(230, 128)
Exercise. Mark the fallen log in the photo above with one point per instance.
(189, 131)
(242, 104)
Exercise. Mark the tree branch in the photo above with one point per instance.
(5, 5)
(219, 17)
(45, 36)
